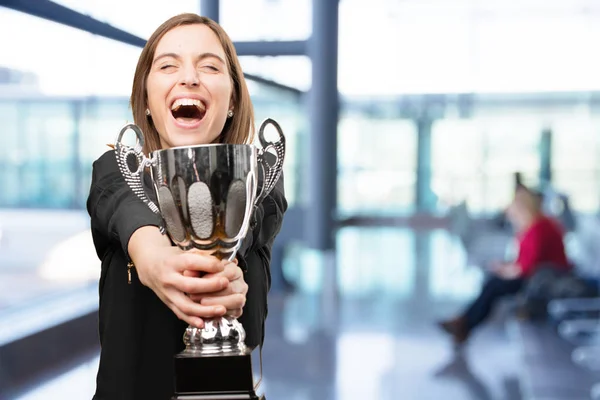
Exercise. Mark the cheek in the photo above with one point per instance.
(151, 95)
(156, 93)
(225, 90)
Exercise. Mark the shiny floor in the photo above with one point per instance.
(373, 338)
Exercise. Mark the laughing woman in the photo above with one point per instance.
(188, 89)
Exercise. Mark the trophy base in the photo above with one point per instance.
(218, 377)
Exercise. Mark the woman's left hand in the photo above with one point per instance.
(233, 298)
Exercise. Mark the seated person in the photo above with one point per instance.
(540, 244)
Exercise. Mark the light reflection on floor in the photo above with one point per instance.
(377, 339)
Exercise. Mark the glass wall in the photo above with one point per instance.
(478, 143)
(475, 159)
(48, 145)
(133, 16)
(254, 20)
(286, 107)
(576, 159)
(89, 65)
(377, 165)
(442, 46)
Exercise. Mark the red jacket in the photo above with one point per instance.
(541, 243)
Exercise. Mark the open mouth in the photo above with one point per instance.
(188, 111)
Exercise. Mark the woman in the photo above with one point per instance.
(540, 244)
(188, 89)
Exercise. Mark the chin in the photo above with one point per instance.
(188, 141)
(186, 137)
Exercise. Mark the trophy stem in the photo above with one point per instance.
(220, 337)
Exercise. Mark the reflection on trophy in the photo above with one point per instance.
(206, 197)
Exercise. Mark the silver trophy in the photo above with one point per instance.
(206, 195)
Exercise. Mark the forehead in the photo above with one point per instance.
(190, 39)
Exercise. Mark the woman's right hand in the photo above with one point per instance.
(161, 266)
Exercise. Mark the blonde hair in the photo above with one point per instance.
(528, 200)
(238, 129)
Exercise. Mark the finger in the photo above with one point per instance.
(190, 308)
(189, 319)
(221, 293)
(196, 297)
(235, 313)
(232, 301)
(194, 285)
(225, 261)
(237, 286)
(193, 274)
(231, 272)
(199, 262)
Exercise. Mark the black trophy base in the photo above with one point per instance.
(214, 378)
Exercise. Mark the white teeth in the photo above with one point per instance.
(187, 102)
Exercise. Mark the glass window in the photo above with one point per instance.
(249, 20)
(457, 159)
(462, 47)
(133, 16)
(285, 107)
(377, 165)
(88, 66)
(100, 121)
(287, 70)
(575, 160)
(511, 145)
(39, 154)
(253, 20)
(475, 159)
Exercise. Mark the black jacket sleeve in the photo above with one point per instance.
(255, 258)
(115, 211)
(267, 223)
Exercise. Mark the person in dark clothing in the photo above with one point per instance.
(540, 243)
(149, 289)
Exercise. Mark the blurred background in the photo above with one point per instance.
(406, 122)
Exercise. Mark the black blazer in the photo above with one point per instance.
(139, 334)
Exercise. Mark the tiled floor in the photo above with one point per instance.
(374, 339)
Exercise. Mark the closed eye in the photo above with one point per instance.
(166, 66)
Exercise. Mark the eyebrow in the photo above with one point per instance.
(199, 57)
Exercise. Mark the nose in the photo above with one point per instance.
(189, 77)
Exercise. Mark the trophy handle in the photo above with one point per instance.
(271, 173)
(124, 155)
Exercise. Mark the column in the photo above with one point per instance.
(546, 157)
(323, 110)
(210, 9)
(424, 200)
